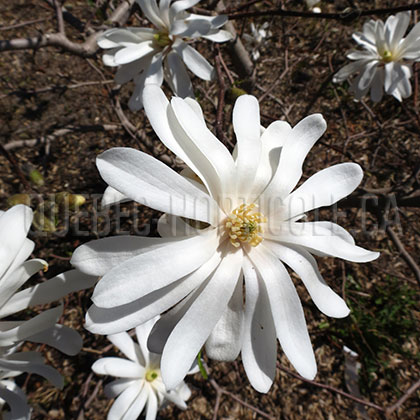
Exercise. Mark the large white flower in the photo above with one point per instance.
(385, 60)
(15, 248)
(148, 55)
(203, 269)
(140, 384)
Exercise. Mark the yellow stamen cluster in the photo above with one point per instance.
(151, 375)
(244, 225)
(387, 56)
(162, 39)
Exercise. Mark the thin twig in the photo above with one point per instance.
(60, 20)
(413, 388)
(346, 15)
(407, 257)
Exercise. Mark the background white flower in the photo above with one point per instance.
(203, 269)
(148, 55)
(313, 5)
(385, 60)
(257, 38)
(15, 248)
(140, 384)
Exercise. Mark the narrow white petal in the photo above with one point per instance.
(295, 149)
(138, 404)
(62, 338)
(124, 401)
(154, 73)
(19, 408)
(115, 366)
(181, 5)
(246, 124)
(115, 388)
(302, 262)
(133, 52)
(152, 406)
(367, 75)
(125, 343)
(315, 237)
(324, 188)
(14, 226)
(219, 36)
(112, 196)
(225, 341)
(131, 280)
(148, 181)
(195, 61)
(288, 316)
(49, 291)
(259, 348)
(193, 329)
(177, 77)
(152, 12)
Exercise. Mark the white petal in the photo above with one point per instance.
(396, 27)
(125, 343)
(367, 75)
(131, 280)
(116, 37)
(121, 318)
(314, 236)
(219, 36)
(135, 102)
(49, 291)
(62, 338)
(143, 332)
(215, 160)
(124, 401)
(25, 329)
(181, 5)
(377, 90)
(348, 70)
(177, 77)
(28, 366)
(115, 366)
(225, 341)
(112, 196)
(114, 388)
(16, 400)
(152, 12)
(302, 262)
(195, 61)
(246, 124)
(259, 348)
(12, 282)
(170, 226)
(138, 404)
(190, 29)
(152, 406)
(14, 226)
(193, 329)
(294, 151)
(324, 188)
(129, 71)
(288, 316)
(133, 52)
(154, 74)
(150, 182)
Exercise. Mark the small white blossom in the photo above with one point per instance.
(140, 384)
(148, 56)
(215, 240)
(385, 62)
(313, 5)
(257, 38)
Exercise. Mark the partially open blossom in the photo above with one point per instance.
(15, 270)
(148, 55)
(385, 61)
(140, 386)
(229, 220)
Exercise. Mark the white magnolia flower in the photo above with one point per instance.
(15, 248)
(257, 38)
(148, 55)
(140, 384)
(203, 269)
(385, 60)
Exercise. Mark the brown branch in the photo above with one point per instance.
(87, 48)
(346, 15)
(60, 19)
(389, 410)
(407, 257)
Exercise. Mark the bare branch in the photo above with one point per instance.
(346, 15)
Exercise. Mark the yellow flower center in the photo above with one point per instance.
(387, 56)
(162, 39)
(151, 375)
(244, 225)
